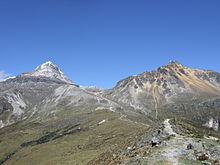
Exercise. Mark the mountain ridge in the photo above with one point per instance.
(146, 93)
(173, 111)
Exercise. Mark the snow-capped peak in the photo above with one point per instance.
(48, 66)
(48, 69)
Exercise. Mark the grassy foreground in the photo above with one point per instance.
(77, 140)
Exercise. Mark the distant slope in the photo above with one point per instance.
(171, 90)
(156, 93)
(157, 117)
(40, 94)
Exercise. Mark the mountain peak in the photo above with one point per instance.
(47, 66)
(173, 65)
(49, 69)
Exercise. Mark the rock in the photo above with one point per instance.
(213, 123)
(129, 148)
(216, 161)
(206, 163)
(154, 141)
(114, 156)
(138, 158)
(189, 146)
(202, 156)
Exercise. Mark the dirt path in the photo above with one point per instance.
(176, 149)
(168, 128)
(172, 149)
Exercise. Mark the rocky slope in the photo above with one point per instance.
(170, 143)
(165, 85)
(143, 118)
(45, 92)
(171, 89)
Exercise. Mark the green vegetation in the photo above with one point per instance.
(184, 161)
(67, 141)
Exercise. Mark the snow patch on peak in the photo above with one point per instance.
(47, 65)
(48, 62)
(9, 78)
(49, 69)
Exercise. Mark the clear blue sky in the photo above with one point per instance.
(99, 42)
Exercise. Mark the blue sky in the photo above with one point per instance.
(99, 42)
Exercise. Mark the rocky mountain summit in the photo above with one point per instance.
(49, 70)
(44, 107)
(172, 88)
(37, 94)
(166, 85)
